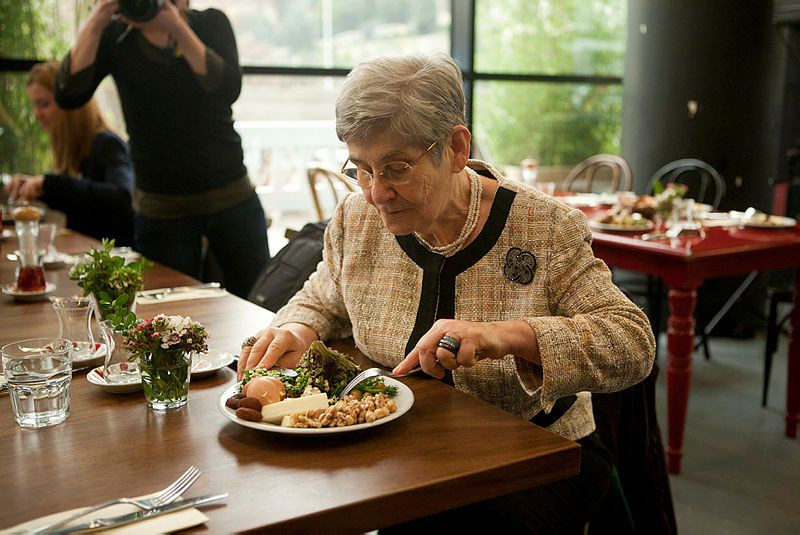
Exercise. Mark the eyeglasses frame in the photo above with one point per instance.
(381, 173)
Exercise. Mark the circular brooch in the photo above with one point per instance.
(519, 266)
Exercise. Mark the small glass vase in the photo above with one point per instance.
(118, 368)
(165, 378)
(101, 314)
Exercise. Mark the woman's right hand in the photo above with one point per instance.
(102, 14)
(274, 346)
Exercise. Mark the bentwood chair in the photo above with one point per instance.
(707, 186)
(336, 181)
(620, 173)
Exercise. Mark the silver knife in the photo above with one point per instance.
(114, 521)
(179, 289)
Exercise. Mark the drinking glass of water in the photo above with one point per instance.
(39, 372)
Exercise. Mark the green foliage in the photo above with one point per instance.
(557, 123)
(108, 278)
(121, 315)
(30, 29)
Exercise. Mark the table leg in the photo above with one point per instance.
(793, 372)
(680, 344)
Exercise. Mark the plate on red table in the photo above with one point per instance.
(642, 225)
(404, 400)
(11, 289)
(766, 221)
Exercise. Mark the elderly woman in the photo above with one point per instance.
(483, 282)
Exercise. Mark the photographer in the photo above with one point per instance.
(177, 75)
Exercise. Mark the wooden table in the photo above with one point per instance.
(683, 265)
(449, 450)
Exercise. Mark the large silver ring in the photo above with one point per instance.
(450, 344)
(250, 341)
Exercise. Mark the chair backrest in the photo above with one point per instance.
(708, 186)
(315, 175)
(620, 171)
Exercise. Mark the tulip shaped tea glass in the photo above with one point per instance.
(117, 369)
(39, 372)
(30, 272)
(74, 323)
(46, 241)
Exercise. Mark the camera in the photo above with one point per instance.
(140, 10)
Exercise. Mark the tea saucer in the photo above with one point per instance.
(96, 378)
(204, 365)
(25, 297)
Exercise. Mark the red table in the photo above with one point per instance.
(683, 265)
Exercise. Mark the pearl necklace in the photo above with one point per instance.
(476, 190)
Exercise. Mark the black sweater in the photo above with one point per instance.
(99, 202)
(180, 125)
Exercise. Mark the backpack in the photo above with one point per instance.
(287, 271)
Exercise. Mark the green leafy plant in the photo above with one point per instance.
(112, 282)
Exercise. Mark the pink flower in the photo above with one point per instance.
(171, 339)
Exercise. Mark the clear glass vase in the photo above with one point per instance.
(101, 312)
(165, 378)
(118, 368)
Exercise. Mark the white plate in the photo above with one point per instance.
(596, 225)
(96, 359)
(204, 365)
(11, 289)
(201, 367)
(96, 378)
(774, 221)
(404, 400)
(3, 385)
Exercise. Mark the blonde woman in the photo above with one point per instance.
(92, 172)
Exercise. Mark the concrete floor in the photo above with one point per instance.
(740, 473)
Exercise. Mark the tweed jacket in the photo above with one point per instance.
(531, 261)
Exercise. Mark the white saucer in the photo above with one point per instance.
(96, 359)
(202, 366)
(11, 289)
(95, 376)
(205, 365)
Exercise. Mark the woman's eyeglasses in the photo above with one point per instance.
(393, 173)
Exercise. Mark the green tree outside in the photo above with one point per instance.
(39, 29)
(554, 122)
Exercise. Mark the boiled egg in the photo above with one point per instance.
(265, 389)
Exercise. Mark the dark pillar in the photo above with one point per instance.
(728, 57)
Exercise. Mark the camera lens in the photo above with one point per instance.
(140, 10)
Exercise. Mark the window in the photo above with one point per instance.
(545, 80)
(548, 79)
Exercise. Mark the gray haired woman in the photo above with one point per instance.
(483, 282)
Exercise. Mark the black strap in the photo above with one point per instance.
(544, 419)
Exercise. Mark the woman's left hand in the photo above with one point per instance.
(25, 187)
(474, 340)
(169, 19)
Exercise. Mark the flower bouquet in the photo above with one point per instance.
(163, 346)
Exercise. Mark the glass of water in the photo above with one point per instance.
(39, 372)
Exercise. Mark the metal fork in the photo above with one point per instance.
(369, 373)
(165, 496)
